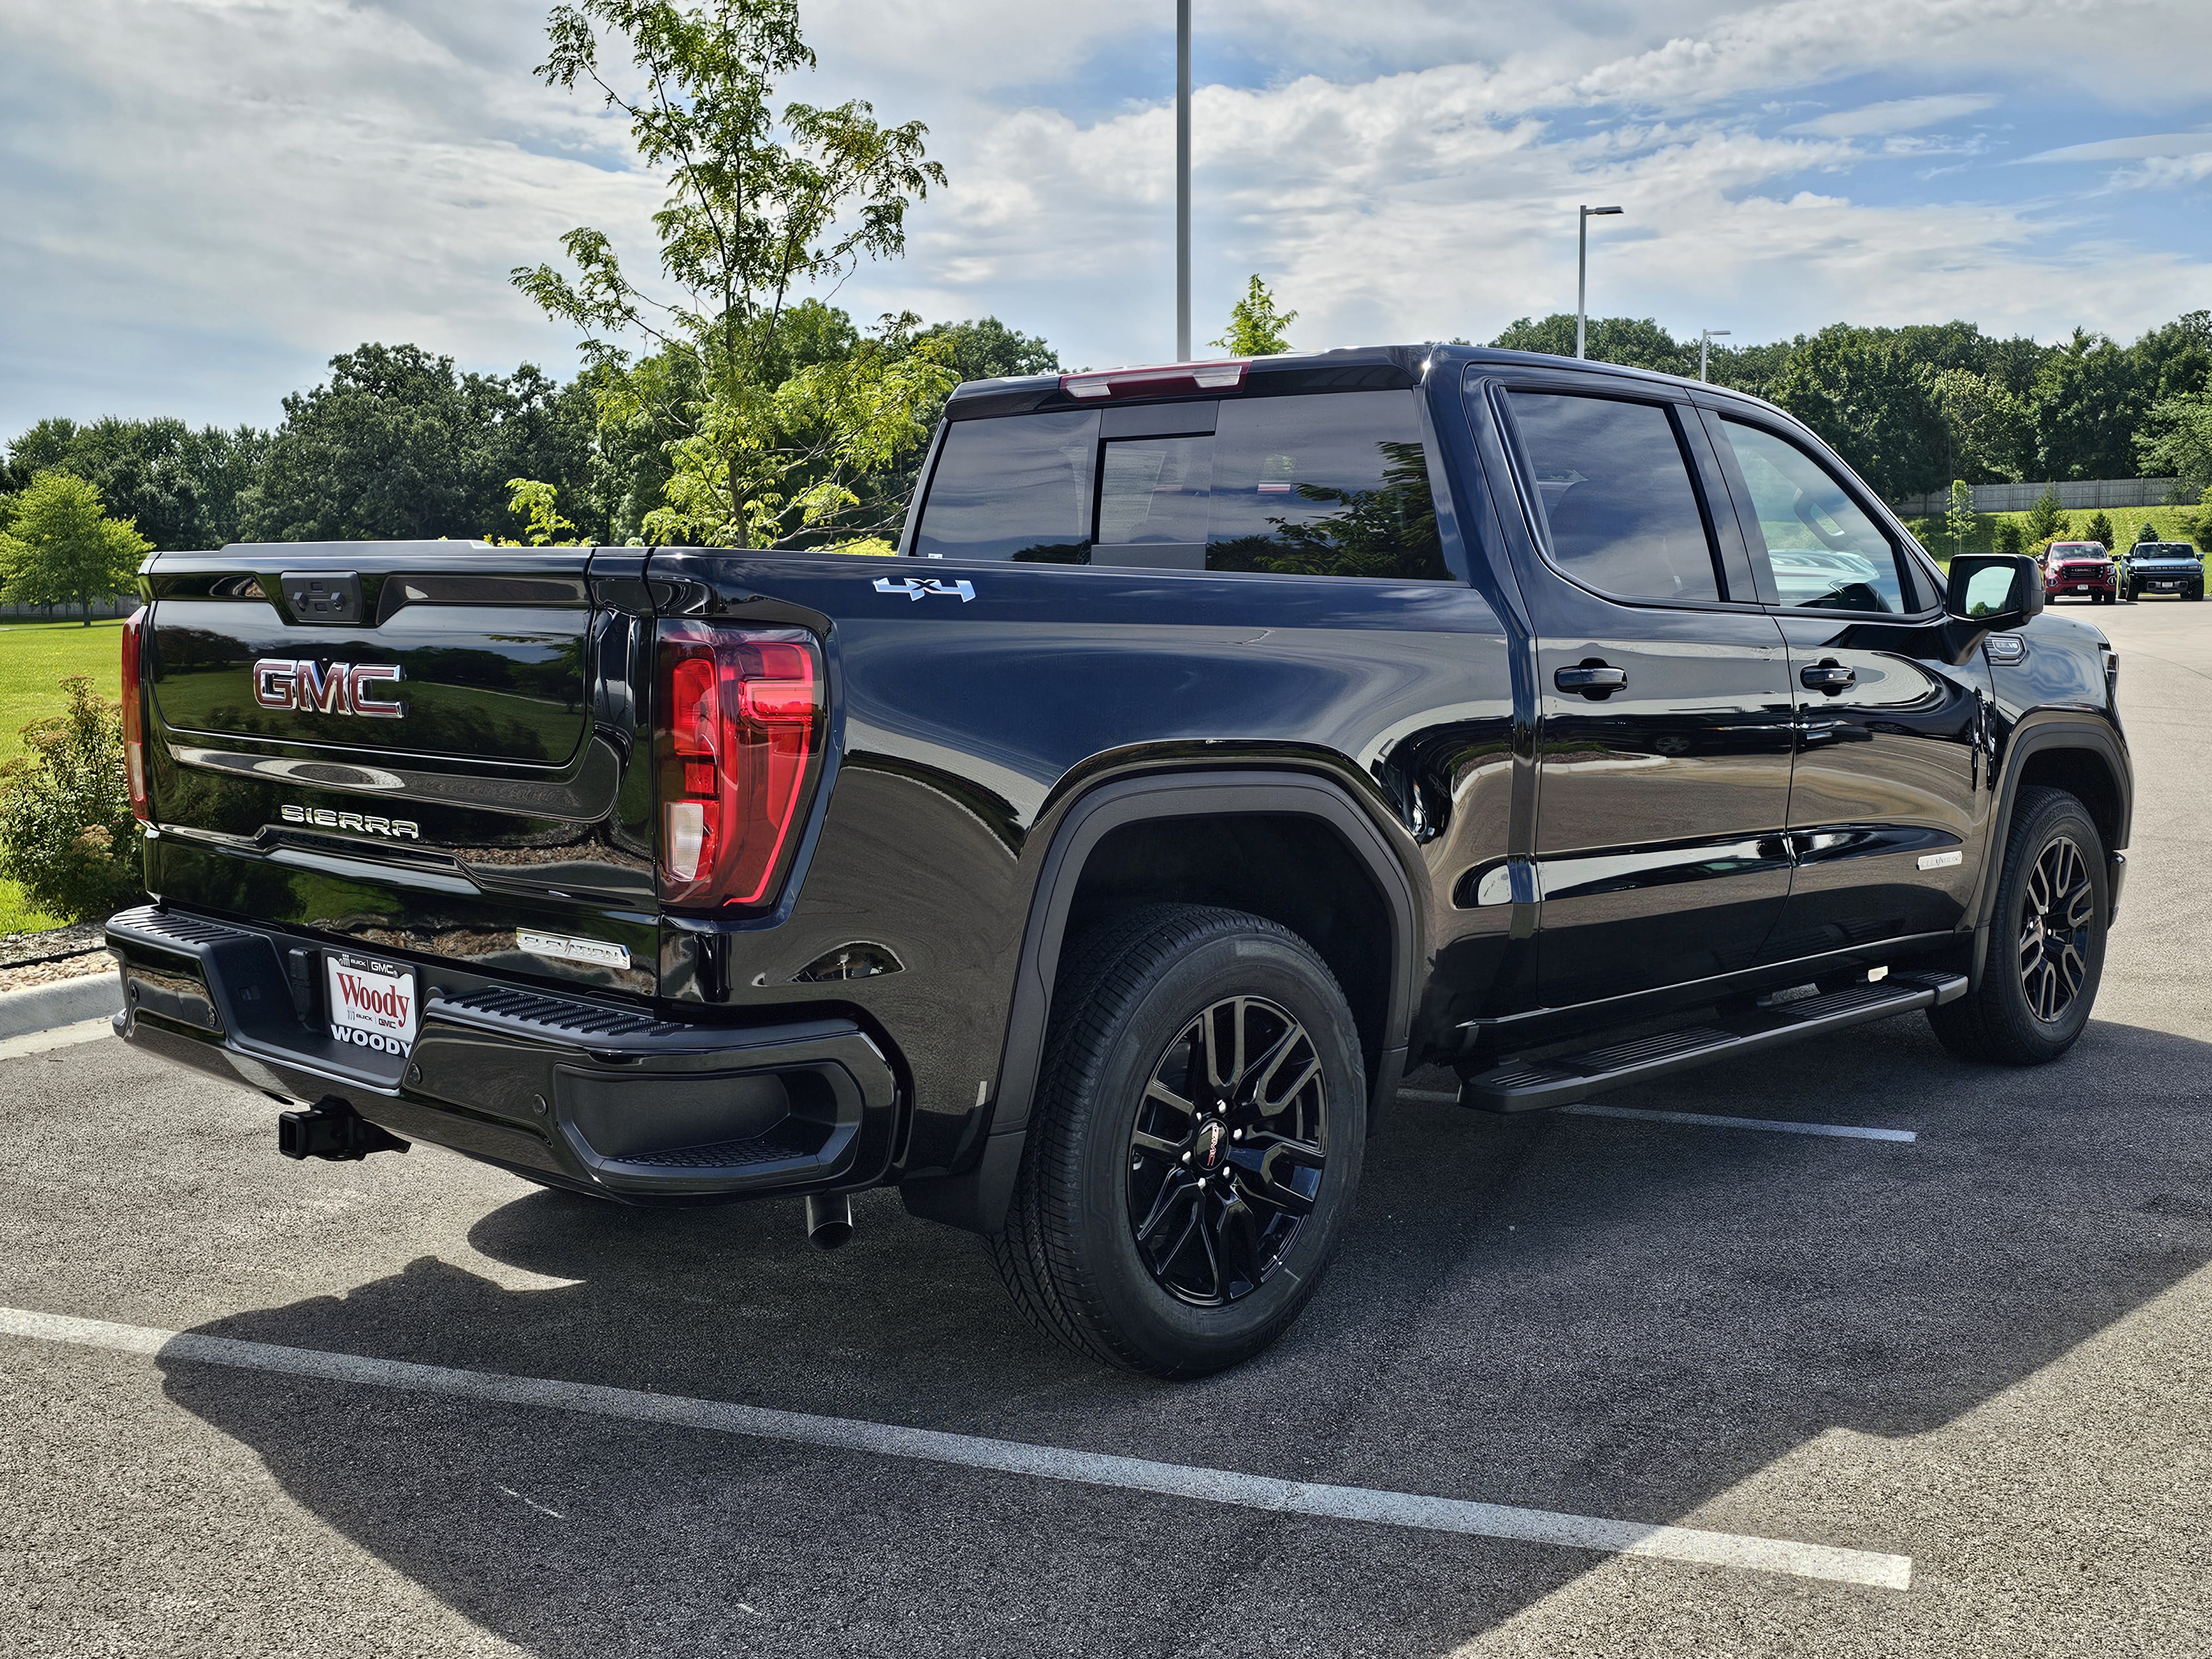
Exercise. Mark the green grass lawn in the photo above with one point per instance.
(2173, 524)
(35, 657)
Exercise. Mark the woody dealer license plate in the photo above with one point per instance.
(371, 1003)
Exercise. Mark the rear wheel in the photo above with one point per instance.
(1194, 1146)
(2046, 953)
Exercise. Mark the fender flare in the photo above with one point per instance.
(976, 1199)
(2040, 732)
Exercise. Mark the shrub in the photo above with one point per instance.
(2148, 533)
(2008, 537)
(66, 832)
(2045, 522)
(2100, 531)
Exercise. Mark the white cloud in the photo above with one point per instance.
(195, 224)
(2129, 150)
(1897, 115)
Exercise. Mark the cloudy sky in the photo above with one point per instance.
(201, 200)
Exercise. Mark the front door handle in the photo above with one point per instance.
(1594, 679)
(1829, 676)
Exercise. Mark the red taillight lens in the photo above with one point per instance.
(134, 719)
(739, 744)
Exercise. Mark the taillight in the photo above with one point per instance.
(739, 742)
(134, 721)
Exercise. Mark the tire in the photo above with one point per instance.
(2034, 969)
(2196, 593)
(1225, 1266)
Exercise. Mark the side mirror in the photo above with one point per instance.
(1993, 590)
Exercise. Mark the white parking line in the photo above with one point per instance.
(1389, 1508)
(1780, 1126)
(56, 1037)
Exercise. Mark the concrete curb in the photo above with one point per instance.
(63, 1003)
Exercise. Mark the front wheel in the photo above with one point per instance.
(1195, 1145)
(2046, 954)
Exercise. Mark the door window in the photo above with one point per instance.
(1614, 489)
(1828, 555)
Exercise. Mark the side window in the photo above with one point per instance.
(1826, 553)
(1013, 487)
(1325, 484)
(1616, 495)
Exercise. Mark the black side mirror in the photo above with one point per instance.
(1993, 590)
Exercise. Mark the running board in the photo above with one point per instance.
(1526, 1085)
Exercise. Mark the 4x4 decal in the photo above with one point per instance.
(927, 587)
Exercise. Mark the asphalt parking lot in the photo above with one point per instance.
(1985, 1351)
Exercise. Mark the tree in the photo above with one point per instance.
(2100, 531)
(1631, 342)
(2148, 533)
(2008, 536)
(2046, 520)
(1988, 427)
(2175, 441)
(760, 205)
(2086, 405)
(1959, 521)
(60, 547)
(399, 446)
(1872, 404)
(1256, 328)
(989, 350)
(180, 487)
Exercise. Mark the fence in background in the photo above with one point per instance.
(2074, 495)
(121, 606)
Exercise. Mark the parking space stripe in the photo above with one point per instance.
(1780, 1126)
(56, 1037)
(1390, 1509)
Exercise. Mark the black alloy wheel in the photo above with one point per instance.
(1227, 1152)
(1194, 1144)
(2047, 949)
(2055, 922)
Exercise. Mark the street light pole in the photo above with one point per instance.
(1183, 181)
(1704, 343)
(1582, 271)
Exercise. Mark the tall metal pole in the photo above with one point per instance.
(1183, 181)
(1704, 344)
(1582, 268)
(1582, 276)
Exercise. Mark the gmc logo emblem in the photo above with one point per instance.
(317, 688)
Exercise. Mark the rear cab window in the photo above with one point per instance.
(1316, 484)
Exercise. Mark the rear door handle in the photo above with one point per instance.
(1593, 679)
(1829, 676)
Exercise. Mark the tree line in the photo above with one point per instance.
(399, 444)
(1916, 409)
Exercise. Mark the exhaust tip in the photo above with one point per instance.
(829, 1220)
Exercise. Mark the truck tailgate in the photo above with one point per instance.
(399, 744)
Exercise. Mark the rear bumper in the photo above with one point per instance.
(593, 1096)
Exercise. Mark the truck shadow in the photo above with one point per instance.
(1593, 1315)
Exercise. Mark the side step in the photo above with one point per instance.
(1525, 1085)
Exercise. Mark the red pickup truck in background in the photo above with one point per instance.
(2080, 568)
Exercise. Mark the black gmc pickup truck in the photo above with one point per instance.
(1229, 738)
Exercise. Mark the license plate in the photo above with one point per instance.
(371, 1003)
